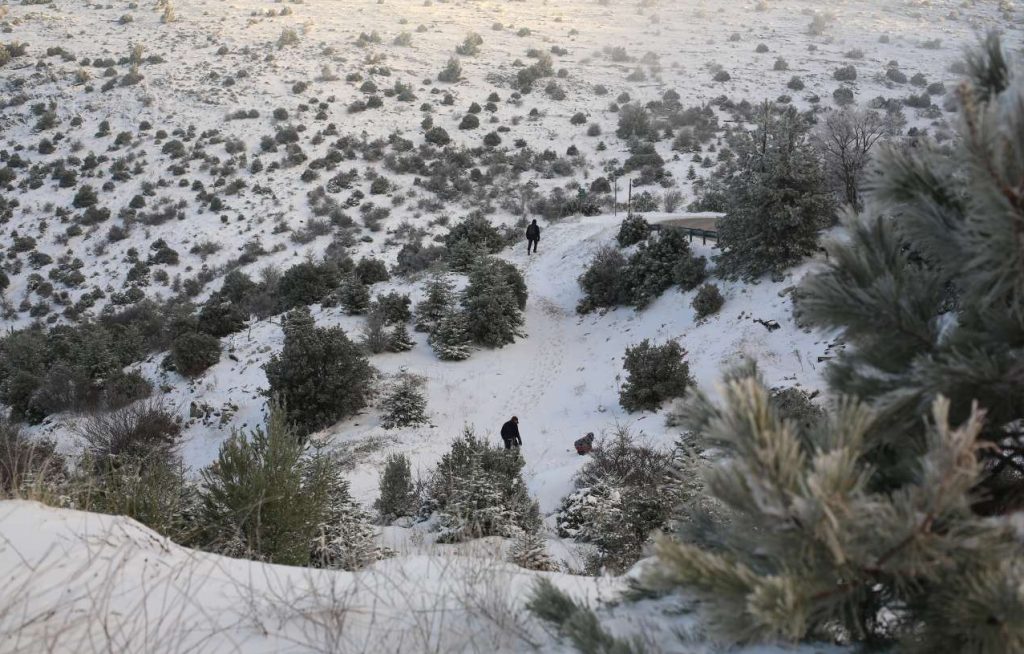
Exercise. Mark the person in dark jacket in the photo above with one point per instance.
(532, 236)
(510, 433)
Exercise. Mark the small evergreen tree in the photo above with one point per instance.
(633, 229)
(399, 339)
(873, 525)
(493, 302)
(375, 336)
(320, 375)
(397, 490)
(343, 536)
(253, 502)
(271, 497)
(478, 490)
(601, 282)
(450, 339)
(437, 302)
(404, 404)
(354, 295)
(530, 551)
(776, 197)
(655, 373)
(395, 307)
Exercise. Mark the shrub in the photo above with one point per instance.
(404, 404)
(476, 231)
(320, 376)
(722, 76)
(478, 490)
(652, 269)
(634, 122)
(85, 197)
(601, 282)
(655, 373)
(493, 302)
(845, 73)
(29, 467)
(450, 338)
(437, 136)
(843, 96)
(795, 83)
(154, 491)
(398, 495)
(896, 75)
(633, 229)
(707, 301)
(307, 283)
(689, 272)
(375, 336)
(354, 295)
(370, 271)
(194, 352)
(139, 432)
(529, 551)
(451, 72)
(626, 491)
(269, 497)
(469, 121)
(123, 388)
(438, 299)
(470, 46)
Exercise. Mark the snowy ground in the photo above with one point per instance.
(83, 582)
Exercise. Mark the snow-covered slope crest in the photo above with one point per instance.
(79, 582)
(84, 582)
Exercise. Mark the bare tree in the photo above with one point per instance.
(844, 140)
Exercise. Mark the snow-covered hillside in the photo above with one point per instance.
(252, 135)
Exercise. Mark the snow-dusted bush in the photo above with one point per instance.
(655, 266)
(320, 376)
(470, 46)
(655, 373)
(137, 432)
(439, 298)
(452, 71)
(635, 122)
(404, 404)
(307, 283)
(353, 295)
(192, 353)
(493, 302)
(395, 307)
(626, 491)
(707, 301)
(601, 282)
(398, 497)
(478, 490)
(449, 336)
(529, 551)
(268, 496)
(845, 73)
(632, 230)
(370, 270)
